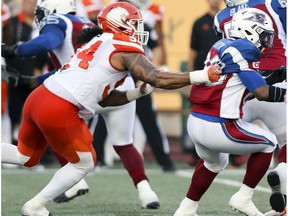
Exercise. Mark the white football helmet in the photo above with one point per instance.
(46, 7)
(123, 18)
(231, 3)
(254, 25)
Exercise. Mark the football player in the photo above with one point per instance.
(217, 111)
(273, 115)
(54, 112)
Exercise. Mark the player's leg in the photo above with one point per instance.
(210, 164)
(154, 132)
(263, 144)
(236, 138)
(69, 136)
(120, 125)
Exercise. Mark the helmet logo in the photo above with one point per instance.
(258, 18)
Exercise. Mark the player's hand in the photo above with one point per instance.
(214, 73)
(278, 75)
(8, 51)
(10, 74)
(146, 89)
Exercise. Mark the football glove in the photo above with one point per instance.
(275, 76)
(10, 74)
(8, 51)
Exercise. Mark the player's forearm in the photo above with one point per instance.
(41, 44)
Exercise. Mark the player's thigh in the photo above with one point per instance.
(58, 120)
(120, 124)
(31, 142)
(235, 137)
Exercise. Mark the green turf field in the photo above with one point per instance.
(113, 194)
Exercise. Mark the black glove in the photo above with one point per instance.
(10, 74)
(8, 51)
(276, 76)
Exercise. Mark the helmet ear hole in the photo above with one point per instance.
(248, 32)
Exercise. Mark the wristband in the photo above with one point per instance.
(133, 94)
(199, 76)
(276, 94)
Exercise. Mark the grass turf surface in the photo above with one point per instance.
(113, 194)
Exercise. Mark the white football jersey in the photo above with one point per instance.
(89, 76)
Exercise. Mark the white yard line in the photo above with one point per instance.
(223, 181)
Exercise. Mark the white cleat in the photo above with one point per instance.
(78, 189)
(187, 207)
(147, 196)
(273, 213)
(32, 209)
(242, 203)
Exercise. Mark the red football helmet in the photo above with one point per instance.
(123, 18)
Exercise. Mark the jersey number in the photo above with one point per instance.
(87, 55)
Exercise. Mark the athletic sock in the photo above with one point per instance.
(132, 161)
(201, 181)
(257, 166)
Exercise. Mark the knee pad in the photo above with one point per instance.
(22, 157)
(86, 163)
(218, 167)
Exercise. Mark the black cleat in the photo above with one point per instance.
(153, 205)
(278, 202)
(63, 198)
(277, 199)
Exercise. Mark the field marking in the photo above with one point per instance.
(224, 181)
(182, 173)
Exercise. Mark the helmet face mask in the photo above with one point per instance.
(254, 25)
(46, 7)
(123, 18)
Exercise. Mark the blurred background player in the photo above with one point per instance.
(23, 29)
(7, 35)
(145, 108)
(212, 113)
(273, 115)
(89, 8)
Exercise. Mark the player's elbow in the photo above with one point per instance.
(262, 93)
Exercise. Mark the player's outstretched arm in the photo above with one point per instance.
(145, 70)
(118, 98)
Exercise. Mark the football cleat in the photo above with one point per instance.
(187, 207)
(277, 199)
(32, 209)
(78, 189)
(274, 213)
(147, 196)
(242, 203)
(149, 200)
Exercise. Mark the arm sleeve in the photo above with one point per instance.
(40, 79)
(251, 79)
(50, 38)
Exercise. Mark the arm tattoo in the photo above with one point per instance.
(141, 67)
